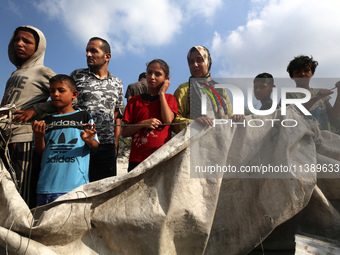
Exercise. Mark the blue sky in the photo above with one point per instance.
(245, 38)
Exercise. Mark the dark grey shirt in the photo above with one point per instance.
(136, 88)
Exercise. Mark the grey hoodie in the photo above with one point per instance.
(28, 86)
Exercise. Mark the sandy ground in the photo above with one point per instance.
(121, 168)
(122, 163)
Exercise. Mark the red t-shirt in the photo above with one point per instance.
(146, 141)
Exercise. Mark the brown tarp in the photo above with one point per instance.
(163, 208)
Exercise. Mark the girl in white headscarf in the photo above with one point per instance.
(188, 93)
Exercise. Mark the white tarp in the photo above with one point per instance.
(160, 209)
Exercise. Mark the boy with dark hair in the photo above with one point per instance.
(301, 69)
(142, 76)
(301, 62)
(263, 88)
(137, 88)
(28, 90)
(64, 141)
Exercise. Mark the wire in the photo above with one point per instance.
(102, 125)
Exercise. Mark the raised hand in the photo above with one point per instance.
(164, 87)
(39, 128)
(88, 134)
(323, 93)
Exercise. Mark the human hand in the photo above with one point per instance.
(205, 121)
(337, 85)
(323, 93)
(151, 123)
(89, 133)
(164, 87)
(39, 128)
(237, 118)
(24, 116)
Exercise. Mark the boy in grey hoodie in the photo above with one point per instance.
(28, 90)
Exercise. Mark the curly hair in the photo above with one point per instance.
(301, 62)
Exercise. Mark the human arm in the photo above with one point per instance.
(118, 128)
(89, 134)
(333, 112)
(225, 111)
(321, 94)
(226, 98)
(149, 123)
(166, 113)
(39, 134)
(37, 109)
(24, 116)
(129, 118)
(183, 116)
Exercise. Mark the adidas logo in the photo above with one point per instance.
(62, 147)
(61, 159)
(66, 123)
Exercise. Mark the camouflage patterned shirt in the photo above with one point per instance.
(100, 97)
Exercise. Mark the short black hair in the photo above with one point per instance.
(265, 78)
(105, 46)
(301, 62)
(63, 78)
(141, 76)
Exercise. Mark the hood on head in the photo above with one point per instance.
(36, 59)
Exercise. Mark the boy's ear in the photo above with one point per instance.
(74, 94)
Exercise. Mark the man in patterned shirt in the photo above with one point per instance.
(101, 94)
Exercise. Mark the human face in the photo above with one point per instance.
(96, 57)
(155, 78)
(262, 91)
(24, 45)
(302, 76)
(197, 67)
(62, 96)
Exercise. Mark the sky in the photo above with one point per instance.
(245, 37)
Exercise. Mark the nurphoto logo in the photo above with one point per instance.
(210, 94)
(238, 102)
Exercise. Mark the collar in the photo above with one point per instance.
(149, 98)
(109, 76)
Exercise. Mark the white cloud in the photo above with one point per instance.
(277, 31)
(205, 8)
(129, 24)
(126, 24)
